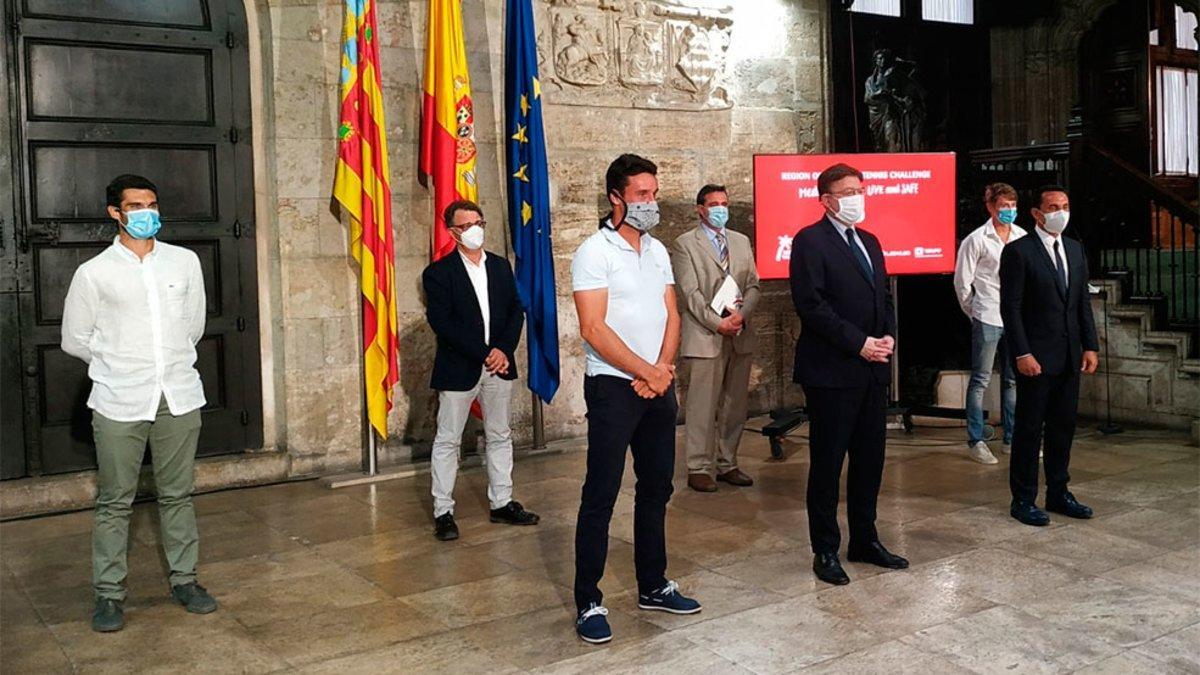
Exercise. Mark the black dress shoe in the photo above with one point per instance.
(1065, 504)
(444, 527)
(1029, 514)
(829, 569)
(513, 513)
(875, 554)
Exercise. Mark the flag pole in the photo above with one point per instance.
(539, 430)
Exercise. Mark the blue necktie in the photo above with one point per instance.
(1060, 267)
(859, 256)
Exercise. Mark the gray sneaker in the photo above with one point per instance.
(108, 616)
(194, 597)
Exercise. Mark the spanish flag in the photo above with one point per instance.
(361, 188)
(447, 118)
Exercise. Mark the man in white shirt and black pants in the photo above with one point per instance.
(625, 296)
(134, 313)
(977, 284)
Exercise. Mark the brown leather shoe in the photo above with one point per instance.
(701, 482)
(735, 477)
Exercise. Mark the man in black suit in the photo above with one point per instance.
(840, 289)
(472, 304)
(1047, 314)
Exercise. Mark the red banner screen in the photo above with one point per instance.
(909, 206)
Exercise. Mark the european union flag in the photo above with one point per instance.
(529, 198)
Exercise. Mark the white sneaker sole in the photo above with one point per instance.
(595, 641)
(657, 608)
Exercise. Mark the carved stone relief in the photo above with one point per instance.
(634, 53)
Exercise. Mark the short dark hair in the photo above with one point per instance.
(126, 181)
(459, 205)
(1041, 192)
(625, 166)
(995, 191)
(833, 174)
(708, 190)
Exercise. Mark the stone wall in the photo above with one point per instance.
(760, 89)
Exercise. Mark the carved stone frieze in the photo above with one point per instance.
(634, 53)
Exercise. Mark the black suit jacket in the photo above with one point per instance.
(453, 311)
(839, 307)
(1039, 319)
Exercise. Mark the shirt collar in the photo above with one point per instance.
(617, 240)
(1015, 231)
(841, 228)
(1047, 238)
(130, 255)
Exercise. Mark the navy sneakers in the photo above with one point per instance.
(592, 624)
(668, 599)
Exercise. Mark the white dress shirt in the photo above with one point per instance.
(1048, 241)
(637, 282)
(977, 272)
(136, 322)
(479, 281)
(857, 240)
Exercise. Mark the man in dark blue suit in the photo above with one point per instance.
(840, 289)
(1047, 314)
(472, 305)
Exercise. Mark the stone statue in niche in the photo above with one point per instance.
(642, 53)
(895, 104)
(661, 54)
(583, 59)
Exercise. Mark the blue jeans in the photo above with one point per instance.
(987, 342)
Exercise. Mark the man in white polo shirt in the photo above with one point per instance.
(625, 297)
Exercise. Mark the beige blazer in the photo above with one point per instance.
(698, 275)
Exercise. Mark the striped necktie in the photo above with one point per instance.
(722, 251)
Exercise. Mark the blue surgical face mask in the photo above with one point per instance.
(718, 216)
(1007, 216)
(142, 223)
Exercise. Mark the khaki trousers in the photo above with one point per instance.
(716, 409)
(120, 447)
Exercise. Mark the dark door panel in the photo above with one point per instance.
(151, 87)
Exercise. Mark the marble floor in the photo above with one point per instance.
(351, 580)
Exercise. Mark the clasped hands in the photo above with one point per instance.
(732, 324)
(654, 382)
(878, 350)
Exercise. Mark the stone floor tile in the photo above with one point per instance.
(780, 637)
(447, 567)
(1130, 663)
(1086, 550)
(1166, 530)
(888, 657)
(1176, 575)
(489, 599)
(1118, 613)
(261, 603)
(899, 602)
(666, 654)
(1005, 640)
(1180, 649)
(314, 636)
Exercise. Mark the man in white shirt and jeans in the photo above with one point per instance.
(977, 284)
(134, 313)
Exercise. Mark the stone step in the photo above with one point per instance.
(1190, 368)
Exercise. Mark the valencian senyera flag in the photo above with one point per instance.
(529, 198)
(361, 188)
(447, 119)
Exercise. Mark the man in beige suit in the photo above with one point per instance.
(718, 345)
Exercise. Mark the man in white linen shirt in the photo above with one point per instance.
(134, 314)
(977, 284)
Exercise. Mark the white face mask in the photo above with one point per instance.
(1055, 221)
(472, 237)
(851, 210)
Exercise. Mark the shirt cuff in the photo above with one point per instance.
(1023, 356)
